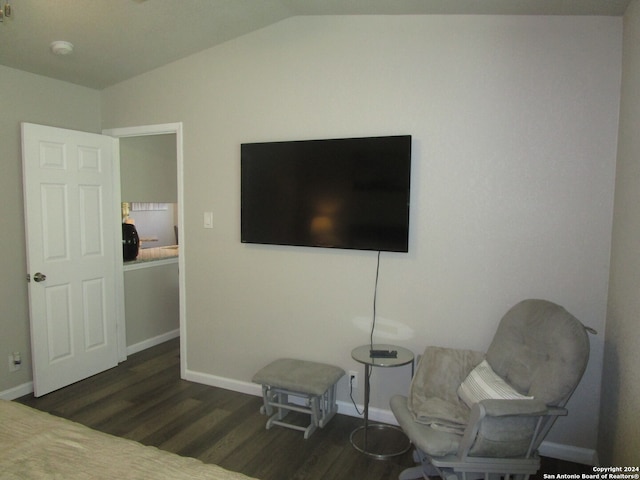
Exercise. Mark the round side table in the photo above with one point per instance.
(361, 437)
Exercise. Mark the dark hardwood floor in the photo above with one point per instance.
(144, 399)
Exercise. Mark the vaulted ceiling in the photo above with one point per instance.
(118, 39)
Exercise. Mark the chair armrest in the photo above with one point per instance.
(500, 408)
(485, 410)
(557, 411)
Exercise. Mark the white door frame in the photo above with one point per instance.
(144, 130)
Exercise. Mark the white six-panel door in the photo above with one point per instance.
(72, 249)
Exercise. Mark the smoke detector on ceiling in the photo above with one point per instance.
(60, 47)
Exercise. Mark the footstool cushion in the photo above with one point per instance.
(299, 375)
(314, 382)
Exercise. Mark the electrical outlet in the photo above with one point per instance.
(353, 379)
(15, 361)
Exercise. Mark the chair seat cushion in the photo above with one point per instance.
(431, 441)
(299, 376)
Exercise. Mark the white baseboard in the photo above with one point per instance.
(152, 342)
(222, 382)
(375, 414)
(17, 392)
(569, 453)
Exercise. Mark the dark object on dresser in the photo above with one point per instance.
(130, 242)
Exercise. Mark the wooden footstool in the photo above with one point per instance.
(311, 381)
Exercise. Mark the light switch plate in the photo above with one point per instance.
(208, 219)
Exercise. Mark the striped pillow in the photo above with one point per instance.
(483, 383)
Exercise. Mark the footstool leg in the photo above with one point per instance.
(314, 404)
(266, 400)
(314, 410)
(330, 405)
(283, 399)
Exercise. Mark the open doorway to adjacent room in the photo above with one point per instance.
(152, 303)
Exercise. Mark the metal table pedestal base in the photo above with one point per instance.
(363, 439)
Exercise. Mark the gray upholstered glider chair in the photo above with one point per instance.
(471, 415)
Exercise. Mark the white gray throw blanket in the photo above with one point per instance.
(433, 397)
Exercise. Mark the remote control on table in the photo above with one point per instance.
(383, 353)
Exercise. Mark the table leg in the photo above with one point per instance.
(367, 390)
(365, 427)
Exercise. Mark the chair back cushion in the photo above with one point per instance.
(541, 350)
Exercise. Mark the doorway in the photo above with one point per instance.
(149, 130)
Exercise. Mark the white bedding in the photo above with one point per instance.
(35, 445)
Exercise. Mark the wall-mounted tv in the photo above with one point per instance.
(350, 193)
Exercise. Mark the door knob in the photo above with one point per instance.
(39, 277)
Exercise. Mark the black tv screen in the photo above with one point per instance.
(348, 193)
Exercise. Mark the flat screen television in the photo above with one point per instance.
(350, 193)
